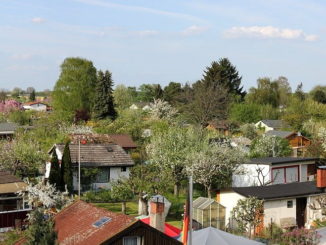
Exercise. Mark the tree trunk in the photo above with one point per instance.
(142, 206)
(209, 190)
(176, 189)
(123, 207)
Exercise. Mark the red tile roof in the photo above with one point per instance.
(124, 140)
(75, 224)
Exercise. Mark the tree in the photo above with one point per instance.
(270, 146)
(245, 112)
(123, 97)
(284, 90)
(32, 95)
(249, 131)
(162, 110)
(172, 92)
(214, 165)
(149, 92)
(170, 149)
(75, 87)
(41, 229)
(55, 173)
(210, 101)
(8, 106)
(103, 99)
(225, 74)
(66, 170)
(299, 94)
(121, 192)
(16, 92)
(3, 95)
(247, 214)
(319, 94)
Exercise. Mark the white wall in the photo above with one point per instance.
(263, 125)
(229, 200)
(38, 107)
(277, 209)
(250, 175)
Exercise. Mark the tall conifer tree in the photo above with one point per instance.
(103, 99)
(66, 169)
(55, 173)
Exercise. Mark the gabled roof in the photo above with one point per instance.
(280, 160)
(204, 202)
(75, 224)
(10, 183)
(34, 103)
(98, 155)
(280, 190)
(282, 134)
(274, 123)
(123, 140)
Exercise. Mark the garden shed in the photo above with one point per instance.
(209, 213)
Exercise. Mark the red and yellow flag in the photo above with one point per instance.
(185, 227)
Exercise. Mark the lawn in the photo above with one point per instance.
(132, 209)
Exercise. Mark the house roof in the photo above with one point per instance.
(10, 183)
(280, 190)
(203, 203)
(8, 127)
(34, 103)
(75, 224)
(123, 140)
(274, 123)
(280, 160)
(282, 134)
(98, 155)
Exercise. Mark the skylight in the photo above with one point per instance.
(101, 222)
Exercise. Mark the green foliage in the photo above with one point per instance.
(249, 131)
(20, 117)
(32, 95)
(55, 172)
(76, 86)
(97, 196)
(245, 113)
(123, 97)
(121, 191)
(269, 146)
(66, 170)
(41, 229)
(245, 213)
(149, 92)
(103, 98)
(318, 94)
(172, 92)
(300, 236)
(11, 237)
(88, 176)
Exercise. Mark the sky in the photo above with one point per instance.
(162, 41)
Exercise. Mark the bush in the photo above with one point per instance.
(97, 196)
(300, 236)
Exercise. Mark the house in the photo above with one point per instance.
(82, 223)
(123, 140)
(222, 127)
(268, 125)
(13, 209)
(111, 161)
(287, 205)
(7, 130)
(36, 106)
(275, 170)
(297, 141)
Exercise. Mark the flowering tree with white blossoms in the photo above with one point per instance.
(214, 165)
(270, 146)
(76, 129)
(161, 109)
(322, 136)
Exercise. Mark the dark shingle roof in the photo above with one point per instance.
(8, 127)
(99, 155)
(274, 123)
(123, 140)
(282, 134)
(280, 190)
(281, 160)
(6, 178)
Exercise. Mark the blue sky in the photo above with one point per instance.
(161, 41)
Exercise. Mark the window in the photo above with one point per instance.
(123, 169)
(132, 240)
(290, 204)
(285, 174)
(103, 176)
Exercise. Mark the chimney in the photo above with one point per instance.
(156, 216)
(321, 177)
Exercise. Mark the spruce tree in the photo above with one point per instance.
(32, 95)
(225, 74)
(55, 173)
(103, 99)
(66, 169)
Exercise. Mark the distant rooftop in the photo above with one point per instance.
(280, 160)
(282, 134)
(274, 123)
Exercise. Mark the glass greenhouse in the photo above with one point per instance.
(209, 212)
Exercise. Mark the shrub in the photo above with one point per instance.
(300, 236)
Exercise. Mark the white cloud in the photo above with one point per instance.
(268, 32)
(38, 20)
(194, 30)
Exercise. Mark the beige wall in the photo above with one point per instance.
(229, 200)
(277, 209)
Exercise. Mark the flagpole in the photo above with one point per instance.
(79, 168)
(190, 210)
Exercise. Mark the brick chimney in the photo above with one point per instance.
(321, 177)
(156, 216)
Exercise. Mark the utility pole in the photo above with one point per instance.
(79, 168)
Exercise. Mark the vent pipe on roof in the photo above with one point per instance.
(156, 216)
